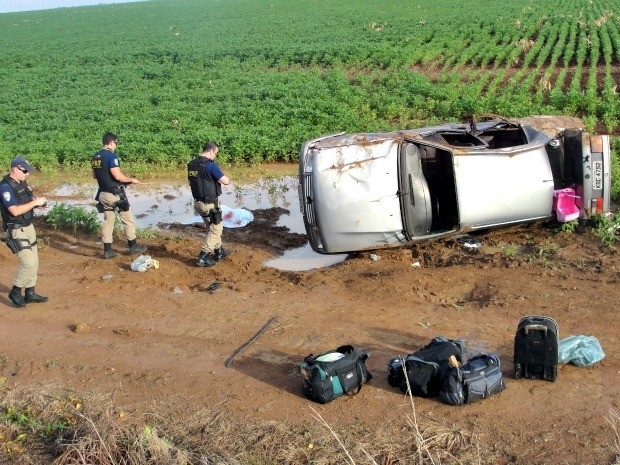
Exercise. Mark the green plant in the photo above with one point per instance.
(19, 417)
(615, 169)
(265, 96)
(511, 251)
(52, 428)
(569, 226)
(24, 418)
(63, 216)
(544, 253)
(605, 227)
(548, 250)
(147, 233)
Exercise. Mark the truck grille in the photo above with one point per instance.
(305, 201)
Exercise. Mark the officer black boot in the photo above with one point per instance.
(135, 248)
(33, 297)
(16, 297)
(220, 254)
(205, 260)
(107, 251)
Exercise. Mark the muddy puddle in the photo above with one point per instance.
(160, 205)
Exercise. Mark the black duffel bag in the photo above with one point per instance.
(332, 374)
(422, 367)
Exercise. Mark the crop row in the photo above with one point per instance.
(262, 77)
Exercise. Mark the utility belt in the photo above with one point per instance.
(207, 200)
(115, 190)
(11, 226)
(14, 244)
(121, 205)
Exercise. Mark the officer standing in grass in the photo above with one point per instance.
(111, 196)
(17, 207)
(205, 180)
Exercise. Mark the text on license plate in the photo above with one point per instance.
(597, 171)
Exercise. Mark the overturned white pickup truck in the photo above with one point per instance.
(365, 191)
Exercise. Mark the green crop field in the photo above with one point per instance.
(261, 77)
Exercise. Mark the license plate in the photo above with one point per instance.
(597, 174)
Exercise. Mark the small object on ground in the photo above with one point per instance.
(214, 286)
(250, 342)
(469, 242)
(143, 263)
(582, 351)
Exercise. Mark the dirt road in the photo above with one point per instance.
(161, 338)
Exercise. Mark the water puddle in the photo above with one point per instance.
(303, 259)
(471, 243)
(158, 205)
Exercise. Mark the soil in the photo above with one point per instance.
(162, 337)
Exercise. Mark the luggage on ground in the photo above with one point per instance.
(536, 348)
(477, 379)
(332, 374)
(422, 367)
(580, 350)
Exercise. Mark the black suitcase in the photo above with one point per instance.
(536, 348)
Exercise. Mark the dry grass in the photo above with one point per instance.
(613, 419)
(61, 428)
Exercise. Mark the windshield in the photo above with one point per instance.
(414, 193)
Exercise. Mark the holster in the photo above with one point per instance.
(14, 244)
(122, 204)
(215, 215)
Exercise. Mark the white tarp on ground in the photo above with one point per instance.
(231, 217)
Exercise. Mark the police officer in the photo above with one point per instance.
(18, 203)
(111, 196)
(205, 180)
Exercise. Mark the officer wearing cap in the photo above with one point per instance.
(17, 205)
(111, 196)
(205, 181)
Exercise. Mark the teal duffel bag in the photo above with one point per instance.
(332, 374)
